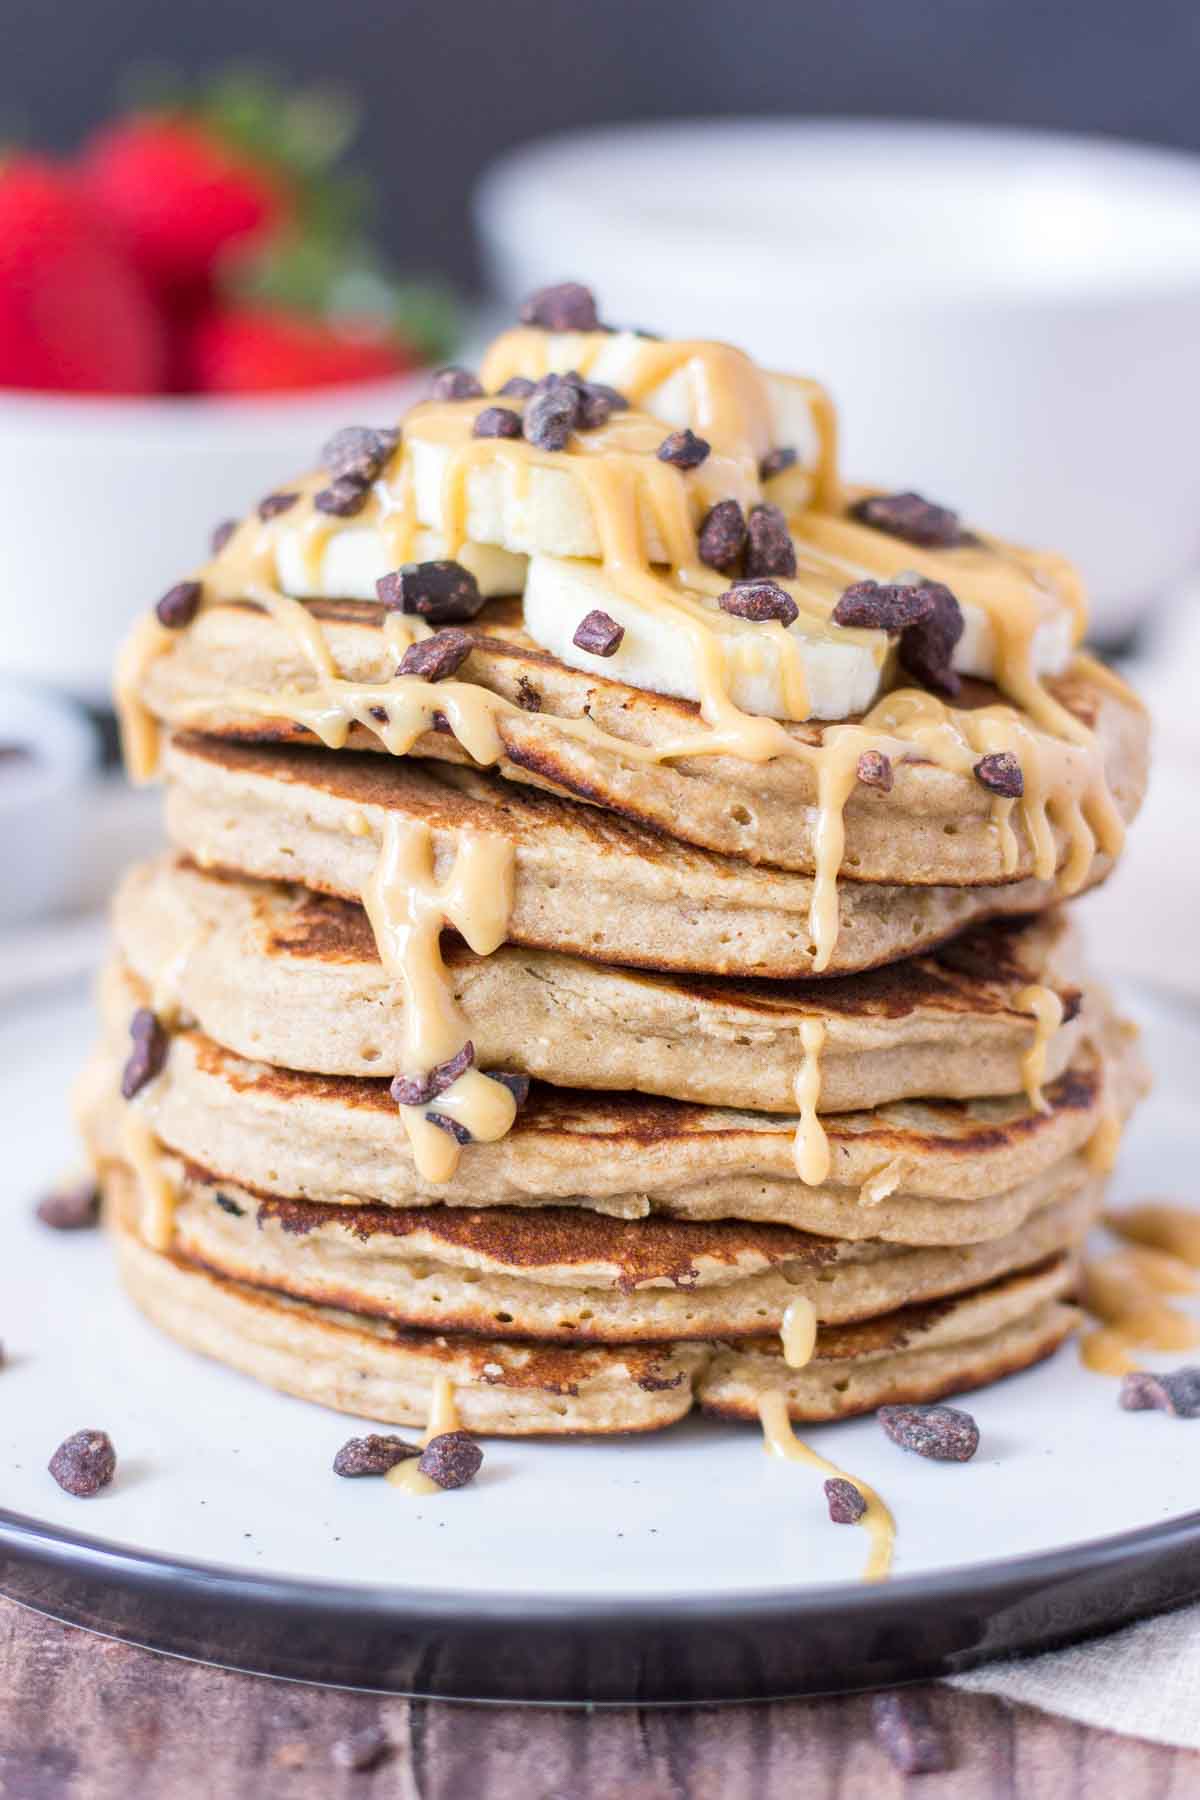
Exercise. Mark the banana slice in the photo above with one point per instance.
(352, 560)
(842, 669)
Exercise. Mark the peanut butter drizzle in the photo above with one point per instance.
(1124, 1291)
(1047, 1010)
(811, 1143)
(1100, 1151)
(156, 1191)
(780, 1440)
(1160, 1225)
(798, 1332)
(407, 1476)
(1065, 784)
(408, 906)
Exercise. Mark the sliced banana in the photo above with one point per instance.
(842, 670)
(352, 559)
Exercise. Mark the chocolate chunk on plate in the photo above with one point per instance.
(179, 605)
(1177, 1392)
(550, 416)
(684, 450)
(497, 422)
(343, 497)
(372, 1455)
(769, 547)
(847, 1504)
(358, 452)
(84, 1463)
(73, 1208)
(722, 536)
(940, 1433)
(452, 1460)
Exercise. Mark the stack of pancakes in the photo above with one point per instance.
(605, 1048)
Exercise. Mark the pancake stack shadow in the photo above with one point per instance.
(727, 1174)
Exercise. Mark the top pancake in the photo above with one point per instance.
(933, 828)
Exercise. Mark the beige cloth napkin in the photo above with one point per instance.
(1143, 1681)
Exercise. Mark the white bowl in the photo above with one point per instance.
(1009, 320)
(41, 799)
(106, 502)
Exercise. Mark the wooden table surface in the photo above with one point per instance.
(86, 1718)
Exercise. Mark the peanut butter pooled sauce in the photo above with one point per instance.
(1129, 1290)
(407, 1476)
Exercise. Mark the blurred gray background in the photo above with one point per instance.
(446, 86)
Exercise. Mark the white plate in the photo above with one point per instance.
(215, 1470)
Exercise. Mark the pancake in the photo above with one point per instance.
(376, 1371)
(340, 1138)
(934, 827)
(586, 881)
(290, 977)
(921, 1353)
(567, 1276)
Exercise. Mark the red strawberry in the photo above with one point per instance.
(179, 196)
(74, 315)
(267, 349)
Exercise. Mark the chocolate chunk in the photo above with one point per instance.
(358, 453)
(550, 415)
(179, 605)
(875, 770)
(776, 461)
(518, 387)
(597, 403)
(528, 698)
(909, 516)
(880, 606)
(942, 1433)
(452, 1459)
(373, 1455)
(517, 1085)
(567, 306)
(84, 1463)
(759, 600)
(1177, 1393)
(444, 1122)
(722, 536)
(904, 1729)
(927, 646)
(442, 592)
(497, 422)
(683, 449)
(362, 1750)
(419, 1090)
(598, 634)
(1001, 773)
(149, 1053)
(274, 504)
(230, 1206)
(343, 497)
(769, 547)
(455, 384)
(846, 1503)
(221, 535)
(437, 657)
(75, 1208)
